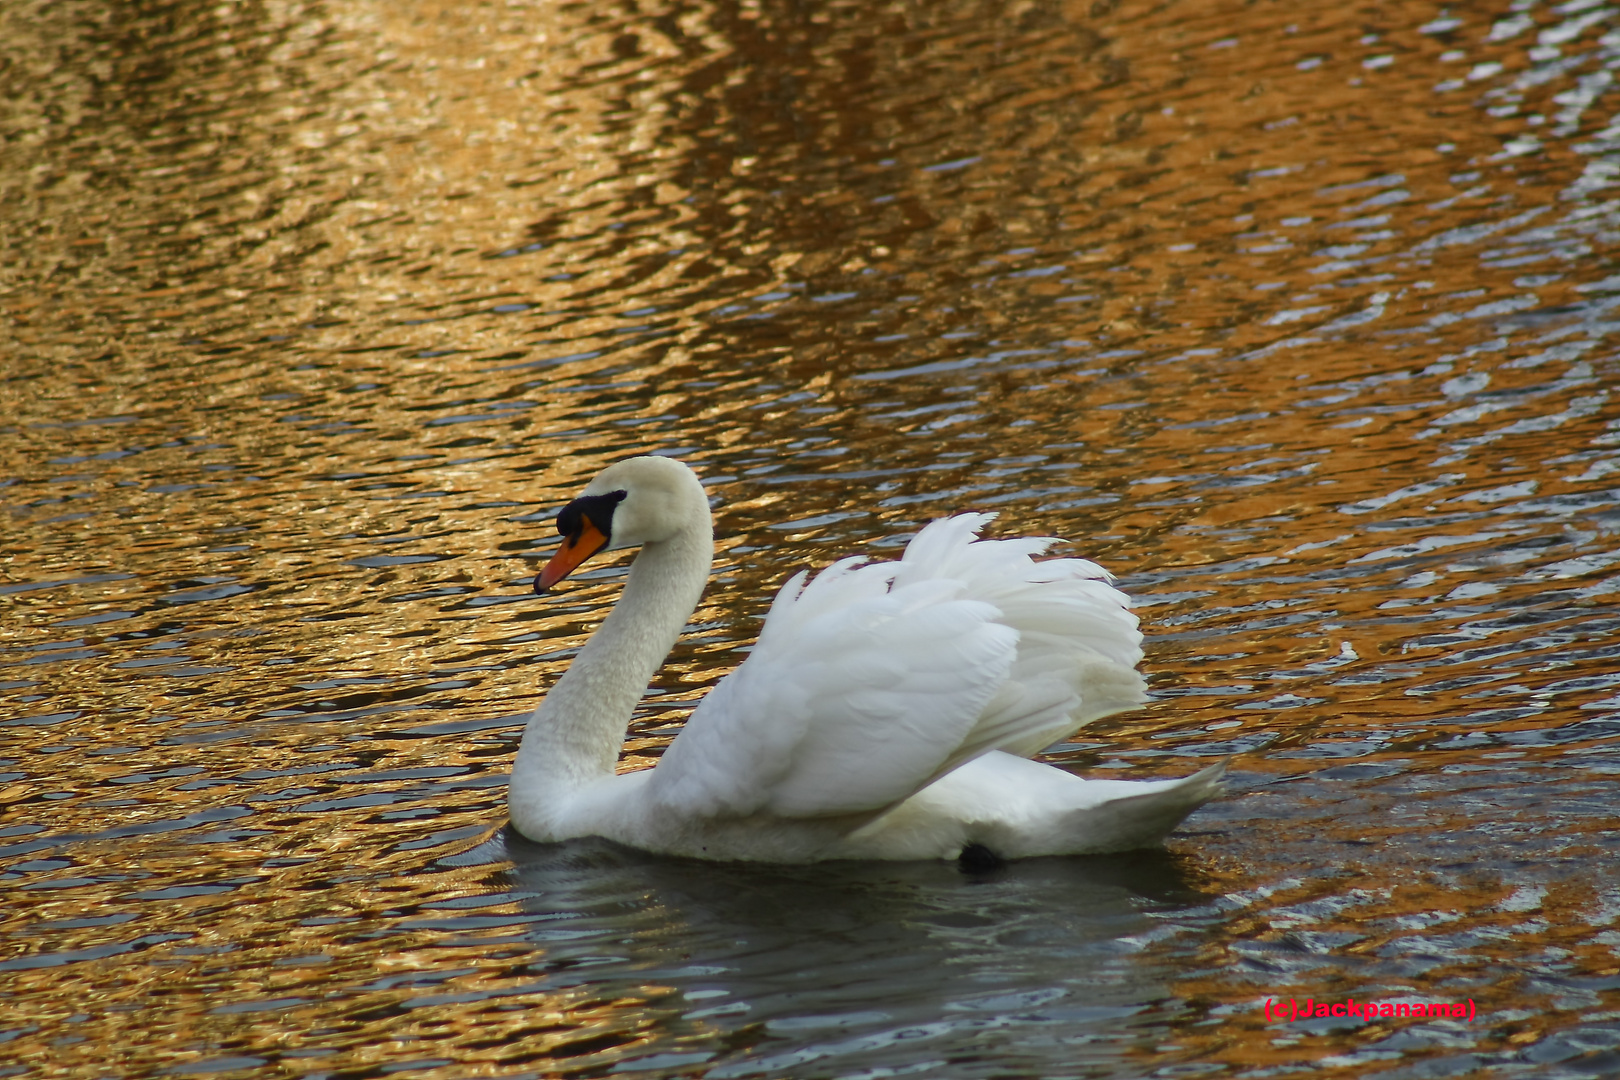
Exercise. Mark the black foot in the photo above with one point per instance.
(978, 859)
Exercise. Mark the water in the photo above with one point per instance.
(1303, 321)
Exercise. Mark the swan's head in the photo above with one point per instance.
(644, 500)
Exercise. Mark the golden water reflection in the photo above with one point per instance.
(1300, 320)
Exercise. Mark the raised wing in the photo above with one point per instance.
(853, 698)
(874, 680)
(1078, 641)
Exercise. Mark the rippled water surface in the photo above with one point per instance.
(1302, 318)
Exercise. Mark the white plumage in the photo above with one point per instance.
(888, 711)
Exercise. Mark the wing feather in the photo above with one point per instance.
(871, 680)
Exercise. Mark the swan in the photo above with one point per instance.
(890, 710)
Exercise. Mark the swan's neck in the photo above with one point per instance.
(575, 735)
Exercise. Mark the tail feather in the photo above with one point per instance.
(1144, 819)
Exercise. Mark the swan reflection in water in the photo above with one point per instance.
(853, 968)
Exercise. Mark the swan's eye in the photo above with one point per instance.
(568, 522)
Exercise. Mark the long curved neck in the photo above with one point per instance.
(575, 735)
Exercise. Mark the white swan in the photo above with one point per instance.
(889, 710)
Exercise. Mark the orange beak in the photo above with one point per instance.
(575, 550)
